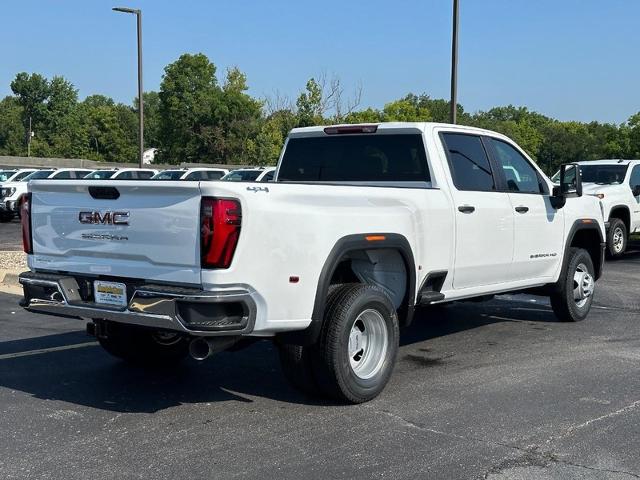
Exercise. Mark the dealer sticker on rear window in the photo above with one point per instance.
(110, 293)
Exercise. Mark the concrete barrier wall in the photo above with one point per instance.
(25, 162)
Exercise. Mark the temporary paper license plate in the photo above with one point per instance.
(110, 293)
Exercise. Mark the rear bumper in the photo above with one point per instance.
(185, 310)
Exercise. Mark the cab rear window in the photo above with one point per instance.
(355, 158)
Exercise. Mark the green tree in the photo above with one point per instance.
(189, 93)
(265, 148)
(563, 142)
(309, 104)
(405, 111)
(235, 121)
(32, 92)
(633, 132)
(108, 130)
(370, 115)
(12, 138)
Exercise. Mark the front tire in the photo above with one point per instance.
(358, 344)
(617, 238)
(573, 295)
(143, 346)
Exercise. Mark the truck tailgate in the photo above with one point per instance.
(146, 232)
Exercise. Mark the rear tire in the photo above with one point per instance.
(296, 362)
(358, 344)
(573, 295)
(617, 238)
(143, 346)
(6, 217)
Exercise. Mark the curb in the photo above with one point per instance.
(10, 277)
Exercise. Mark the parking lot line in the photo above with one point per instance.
(47, 350)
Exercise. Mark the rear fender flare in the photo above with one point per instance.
(343, 246)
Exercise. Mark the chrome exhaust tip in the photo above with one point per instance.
(202, 348)
(199, 349)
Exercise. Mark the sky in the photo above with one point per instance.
(569, 59)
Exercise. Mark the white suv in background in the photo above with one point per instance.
(13, 191)
(192, 174)
(15, 175)
(122, 174)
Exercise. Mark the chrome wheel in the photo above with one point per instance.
(618, 240)
(583, 285)
(368, 343)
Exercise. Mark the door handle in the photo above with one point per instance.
(466, 208)
(522, 209)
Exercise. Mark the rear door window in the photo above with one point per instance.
(355, 158)
(469, 163)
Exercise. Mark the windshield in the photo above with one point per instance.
(603, 174)
(40, 174)
(100, 175)
(5, 174)
(168, 175)
(242, 176)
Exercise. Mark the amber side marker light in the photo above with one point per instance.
(587, 220)
(375, 238)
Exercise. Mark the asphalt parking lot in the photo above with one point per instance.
(496, 390)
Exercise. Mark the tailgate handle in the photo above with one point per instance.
(104, 193)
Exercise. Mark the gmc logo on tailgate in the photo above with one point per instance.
(106, 218)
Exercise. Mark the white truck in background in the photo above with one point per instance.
(363, 224)
(617, 184)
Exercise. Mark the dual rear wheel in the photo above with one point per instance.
(355, 355)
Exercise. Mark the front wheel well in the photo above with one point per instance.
(589, 240)
(623, 214)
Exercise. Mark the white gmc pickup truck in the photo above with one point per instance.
(363, 224)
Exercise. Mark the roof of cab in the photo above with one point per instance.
(422, 126)
(610, 161)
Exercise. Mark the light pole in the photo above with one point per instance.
(454, 65)
(138, 14)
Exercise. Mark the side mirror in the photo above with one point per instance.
(570, 184)
(636, 191)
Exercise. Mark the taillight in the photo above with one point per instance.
(220, 221)
(25, 220)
